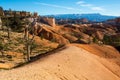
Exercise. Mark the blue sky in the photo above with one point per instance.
(45, 7)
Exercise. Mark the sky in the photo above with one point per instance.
(49, 7)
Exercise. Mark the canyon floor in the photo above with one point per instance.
(72, 62)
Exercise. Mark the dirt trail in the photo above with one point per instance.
(71, 63)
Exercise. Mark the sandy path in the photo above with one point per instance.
(72, 63)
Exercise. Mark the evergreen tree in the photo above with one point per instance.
(1, 11)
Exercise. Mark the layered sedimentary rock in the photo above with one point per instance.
(49, 21)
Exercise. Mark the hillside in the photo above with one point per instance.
(13, 51)
(70, 63)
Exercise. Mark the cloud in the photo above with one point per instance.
(86, 5)
(97, 8)
(80, 2)
(91, 6)
(57, 6)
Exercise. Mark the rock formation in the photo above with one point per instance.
(48, 33)
(84, 20)
(49, 21)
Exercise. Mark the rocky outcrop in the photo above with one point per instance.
(74, 34)
(48, 33)
(49, 21)
(84, 38)
(99, 35)
(82, 33)
(84, 20)
(114, 22)
(70, 37)
(117, 20)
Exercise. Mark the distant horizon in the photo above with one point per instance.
(55, 7)
(81, 13)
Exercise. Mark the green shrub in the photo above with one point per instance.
(110, 40)
(33, 45)
(53, 40)
(3, 46)
(95, 40)
(107, 40)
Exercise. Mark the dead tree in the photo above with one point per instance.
(28, 50)
(26, 32)
(8, 27)
(29, 40)
(26, 37)
(9, 32)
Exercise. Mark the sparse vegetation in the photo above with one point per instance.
(16, 46)
(95, 40)
(111, 40)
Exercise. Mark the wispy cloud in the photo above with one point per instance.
(57, 6)
(91, 6)
(80, 2)
(86, 5)
(97, 8)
